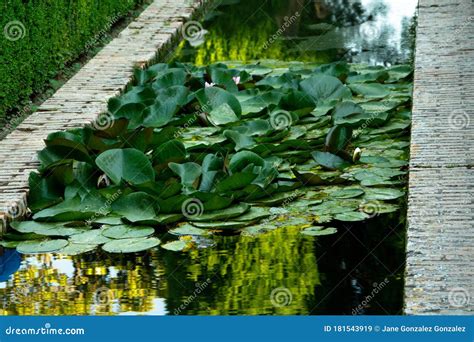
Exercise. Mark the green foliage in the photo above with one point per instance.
(224, 174)
(44, 35)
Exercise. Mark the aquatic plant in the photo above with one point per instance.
(236, 148)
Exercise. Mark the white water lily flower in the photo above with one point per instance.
(356, 155)
(236, 79)
(207, 85)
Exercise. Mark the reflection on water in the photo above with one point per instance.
(365, 31)
(280, 272)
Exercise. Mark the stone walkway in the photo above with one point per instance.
(440, 250)
(85, 95)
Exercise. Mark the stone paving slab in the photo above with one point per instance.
(85, 95)
(440, 249)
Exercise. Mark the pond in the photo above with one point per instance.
(357, 271)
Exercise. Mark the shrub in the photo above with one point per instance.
(37, 37)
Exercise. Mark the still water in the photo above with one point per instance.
(357, 271)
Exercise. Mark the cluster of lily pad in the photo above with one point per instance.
(192, 151)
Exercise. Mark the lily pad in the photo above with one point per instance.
(110, 220)
(187, 229)
(221, 224)
(347, 193)
(75, 208)
(48, 229)
(383, 194)
(126, 231)
(330, 161)
(255, 213)
(222, 214)
(175, 246)
(324, 87)
(76, 249)
(131, 245)
(319, 231)
(370, 90)
(137, 206)
(90, 237)
(41, 246)
(215, 136)
(351, 216)
(31, 226)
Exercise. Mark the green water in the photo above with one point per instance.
(357, 271)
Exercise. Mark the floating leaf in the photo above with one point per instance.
(242, 159)
(370, 90)
(126, 231)
(92, 205)
(175, 246)
(90, 237)
(324, 87)
(254, 213)
(351, 216)
(41, 246)
(330, 161)
(76, 248)
(111, 220)
(383, 193)
(170, 151)
(221, 224)
(159, 114)
(188, 172)
(135, 207)
(223, 214)
(347, 193)
(31, 226)
(319, 231)
(131, 245)
(174, 139)
(187, 229)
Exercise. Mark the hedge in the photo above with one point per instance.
(37, 37)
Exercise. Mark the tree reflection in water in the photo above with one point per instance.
(243, 272)
(318, 31)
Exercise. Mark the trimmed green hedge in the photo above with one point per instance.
(38, 36)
